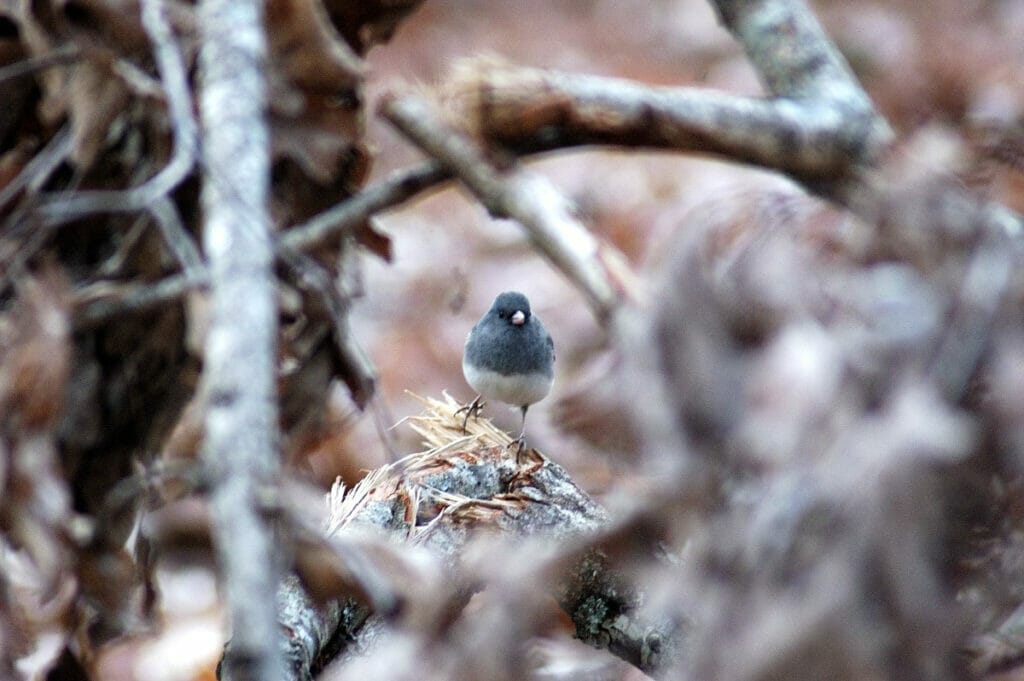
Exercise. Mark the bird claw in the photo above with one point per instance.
(472, 409)
(520, 447)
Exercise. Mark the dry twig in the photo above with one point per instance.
(174, 77)
(596, 268)
(103, 301)
(357, 209)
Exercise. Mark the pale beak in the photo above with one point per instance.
(518, 318)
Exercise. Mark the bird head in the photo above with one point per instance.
(513, 307)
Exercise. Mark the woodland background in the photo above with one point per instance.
(822, 504)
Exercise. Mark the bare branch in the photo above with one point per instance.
(15, 252)
(596, 268)
(529, 110)
(177, 237)
(361, 376)
(171, 65)
(352, 212)
(40, 167)
(819, 126)
(791, 52)
(241, 446)
(99, 303)
(65, 54)
(103, 301)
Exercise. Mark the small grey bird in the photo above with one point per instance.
(509, 357)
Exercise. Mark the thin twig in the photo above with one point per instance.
(597, 269)
(138, 81)
(41, 166)
(100, 303)
(65, 54)
(349, 214)
(173, 75)
(314, 278)
(55, 211)
(24, 240)
(177, 237)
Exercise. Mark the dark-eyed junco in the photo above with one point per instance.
(509, 356)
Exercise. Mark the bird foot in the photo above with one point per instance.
(520, 448)
(472, 409)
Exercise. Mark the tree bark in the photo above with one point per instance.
(442, 500)
(241, 446)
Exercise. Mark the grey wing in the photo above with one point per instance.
(551, 346)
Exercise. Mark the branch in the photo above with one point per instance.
(16, 228)
(101, 302)
(597, 269)
(572, 247)
(792, 53)
(352, 212)
(820, 127)
(176, 236)
(38, 170)
(358, 371)
(239, 374)
(154, 194)
(65, 54)
(796, 60)
(531, 110)
(173, 75)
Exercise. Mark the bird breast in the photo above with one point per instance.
(514, 389)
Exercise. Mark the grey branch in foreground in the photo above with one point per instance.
(596, 268)
(241, 443)
(427, 501)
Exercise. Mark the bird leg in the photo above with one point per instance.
(472, 409)
(522, 435)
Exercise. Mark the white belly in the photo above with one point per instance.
(514, 390)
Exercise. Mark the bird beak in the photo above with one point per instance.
(518, 318)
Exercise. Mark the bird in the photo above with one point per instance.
(509, 357)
